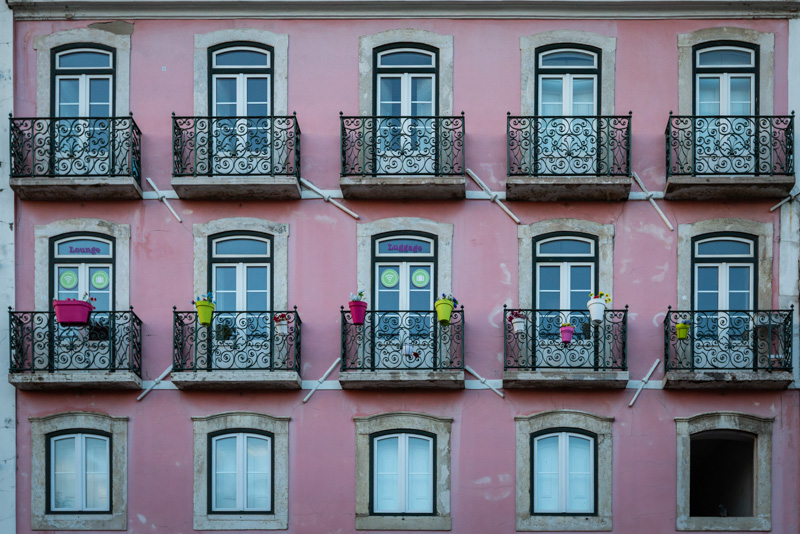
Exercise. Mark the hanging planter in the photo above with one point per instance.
(358, 307)
(597, 306)
(281, 324)
(566, 333)
(682, 330)
(205, 309)
(517, 320)
(444, 308)
(73, 312)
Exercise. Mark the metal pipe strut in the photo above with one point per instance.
(163, 198)
(167, 371)
(644, 382)
(482, 380)
(492, 195)
(327, 198)
(321, 380)
(649, 197)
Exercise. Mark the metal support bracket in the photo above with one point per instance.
(326, 197)
(483, 381)
(162, 197)
(649, 197)
(644, 382)
(321, 380)
(492, 196)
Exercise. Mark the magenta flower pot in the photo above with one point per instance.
(358, 310)
(72, 312)
(566, 333)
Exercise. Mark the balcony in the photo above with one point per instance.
(536, 355)
(244, 158)
(237, 350)
(77, 158)
(413, 158)
(740, 157)
(568, 158)
(728, 349)
(402, 349)
(104, 354)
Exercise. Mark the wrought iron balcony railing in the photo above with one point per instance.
(728, 340)
(236, 341)
(402, 146)
(235, 146)
(534, 342)
(402, 341)
(111, 341)
(56, 147)
(569, 146)
(720, 145)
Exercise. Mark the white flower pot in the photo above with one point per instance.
(281, 328)
(597, 308)
(519, 325)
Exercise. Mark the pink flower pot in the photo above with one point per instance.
(72, 312)
(566, 333)
(358, 310)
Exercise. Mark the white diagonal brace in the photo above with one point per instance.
(644, 382)
(163, 198)
(327, 198)
(322, 380)
(492, 196)
(483, 381)
(653, 202)
(167, 371)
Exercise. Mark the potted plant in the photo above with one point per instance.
(566, 333)
(205, 308)
(444, 308)
(517, 320)
(598, 302)
(682, 329)
(281, 323)
(73, 312)
(358, 307)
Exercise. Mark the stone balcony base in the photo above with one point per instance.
(244, 379)
(730, 379)
(237, 187)
(402, 379)
(77, 188)
(404, 187)
(565, 379)
(728, 187)
(562, 188)
(44, 380)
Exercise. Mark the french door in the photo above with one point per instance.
(239, 141)
(83, 130)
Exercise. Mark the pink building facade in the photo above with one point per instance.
(516, 157)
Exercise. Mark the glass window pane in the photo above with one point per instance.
(225, 455)
(708, 97)
(389, 89)
(257, 301)
(419, 454)
(225, 90)
(99, 90)
(257, 90)
(386, 455)
(580, 475)
(739, 301)
(583, 90)
(707, 301)
(546, 475)
(96, 455)
(708, 278)
(258, 457)
(386, 474)
(242, 58)
(567, 58)
(552, 90)
(225, 278)
(256, 278)
(64, 473)
(422, 89)
(561, 247)
(259, 110)
(258, 491)
(67, 282)
(64, 449)
(739, 278)
(549, 277)
(724, 247)
(405, 58)
(225, 490)
(404, 246)
(84, 247)
(68, 91)
(96, 465)
(727, 57)
(242, 247)
(84, 59)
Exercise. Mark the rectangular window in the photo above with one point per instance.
(403, 474)
(563, 474)
(241, 473)
(80, 473)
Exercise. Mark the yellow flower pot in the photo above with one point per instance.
(444, 309)
(205, 310)
(682, 330)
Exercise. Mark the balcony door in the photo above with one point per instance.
(725, 105)
(404, 322)
(406, 103)
(724, 280)
(83, 106)
(568, 96)
(241, 109)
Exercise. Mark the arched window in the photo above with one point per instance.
(564, 475)
(240, 80)
(404, 275)
(83, 264)
(240, 275)
(726, 79)
(83, 81)
(241, 472)
(564, 270)
(403, 473)
(568, 80)
(406, 80)
(724, 271)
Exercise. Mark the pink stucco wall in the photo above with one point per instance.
(323, 79)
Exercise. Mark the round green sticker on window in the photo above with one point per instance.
(390, 278)
(100, 280)
(420, 278)
(68, 280)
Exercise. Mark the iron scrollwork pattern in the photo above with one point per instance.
(236, 146)
(402, 340)
(236, 341)
(569, 146)
(65, 147)
(110, 341)
(534, 341)
(402, 146)
(743, 145)
(728, 340)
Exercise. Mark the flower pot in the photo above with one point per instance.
(282, 328)
(358, 310)
(72, 312)
(205, 310)
(597, 307)
(682, 330)
(566, 333)
(519, 324)
(444, 309)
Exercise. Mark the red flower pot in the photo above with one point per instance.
(358, 310)
(72, 312)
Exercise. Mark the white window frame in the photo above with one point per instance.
(241, 472)
(80, 472)
(576, 50)
(723, 288)
(702, 51)
(402, 472)
(83, 93)
(724, 90)
(563, 471)
(567, 92)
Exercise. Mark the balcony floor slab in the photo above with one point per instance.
(727, 187)
(727, 379)
(562, 188)
(237, 187)
(402, 379)
(404, 187)
(44, 380)
(244, 379)
(565, 379)
(77, 188)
